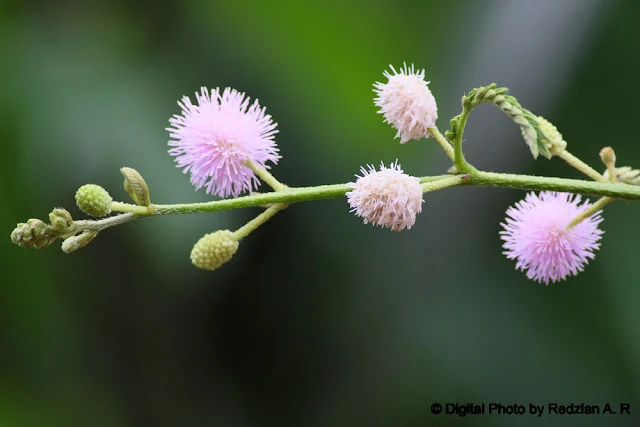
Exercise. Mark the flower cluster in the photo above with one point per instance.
(219, 138)
(227, 143)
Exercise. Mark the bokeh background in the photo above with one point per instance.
(319, 320)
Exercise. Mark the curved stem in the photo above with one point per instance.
(461, 164)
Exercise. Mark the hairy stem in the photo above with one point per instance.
(266, 176)
(540, 183)
(460, 162)
(581, 166)
(101, 224)
(475, 178)
(451, 181)
(258, 221)
(444, 143)
(590, 211)
(128, 207)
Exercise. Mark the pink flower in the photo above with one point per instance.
(536, 235)
(214, 138)
(407, 103)
(388, 198)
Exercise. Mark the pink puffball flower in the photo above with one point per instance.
(536, 234)
(388, 197)
(214, 139)
(407, 103)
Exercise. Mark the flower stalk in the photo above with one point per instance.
(476, 178)
(225, 142)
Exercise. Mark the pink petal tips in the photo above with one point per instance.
(388, 197)
(536, 235)
(214, 138)
(407, 103)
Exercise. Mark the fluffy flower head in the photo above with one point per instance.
(536, 235)
(215, 137)
(407, 103)
(388, 197)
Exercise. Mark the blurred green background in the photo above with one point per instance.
(318, 320)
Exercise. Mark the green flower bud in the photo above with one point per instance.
(60, 220)
(555, 144)
(94, 200)
(74, 243)
(17, 234)
(136, 186)
(214, 249)
(33, 233)
(608, 156)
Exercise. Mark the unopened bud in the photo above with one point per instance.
(214, 249)
(33, 233)
(60, 219)
(17, 234)
(554, 143)
(136, 186)
(94, 200)
(625, 174)
(74, 243)
(608, 156)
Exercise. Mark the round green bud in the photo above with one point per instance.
(214, 249)
(554, 143)
(60, 219)
(94, 200)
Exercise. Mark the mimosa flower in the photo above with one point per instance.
(407, 103)
(214, 139)
(388, 197)
(536, 234)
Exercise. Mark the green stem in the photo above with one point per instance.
(290, 195)
(451, 181)
(101, 224)
(266, 176)
(258, 221)
(590, 211)
(444, 143)
(280, 199)
(581, 166)
(476, 178)
(540, 183)
(128, 207)
(460, 162)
